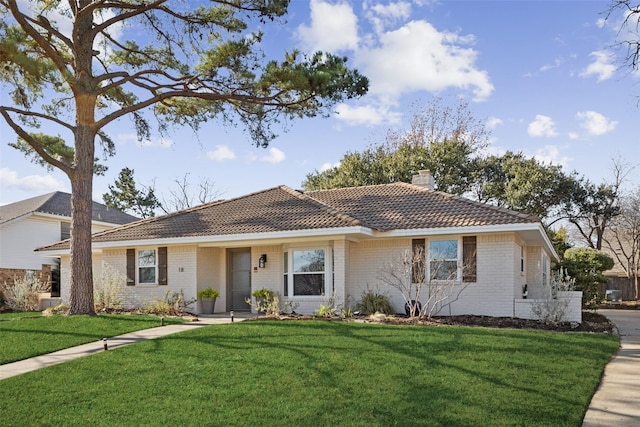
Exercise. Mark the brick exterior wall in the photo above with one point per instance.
(8, 275)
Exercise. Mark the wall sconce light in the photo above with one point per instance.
(262, 261)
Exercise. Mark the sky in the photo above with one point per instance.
(544, 76)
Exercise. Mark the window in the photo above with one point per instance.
(522, 259)
(65, 230)
(286, 274)
(443, 259)
(305, 272)
(147, 265)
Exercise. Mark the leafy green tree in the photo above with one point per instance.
(522, 184)
(559, 240)
(125, 196)
(66, 65)
(586, 265)
(441, 138)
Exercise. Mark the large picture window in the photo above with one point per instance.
(147, 266)
(443, 259)
(305, 272)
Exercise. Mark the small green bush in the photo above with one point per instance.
(374, 302)
(208, 293)
(266, 301)
(58, 309)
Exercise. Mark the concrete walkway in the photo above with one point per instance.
(617, 400)
(20, 367)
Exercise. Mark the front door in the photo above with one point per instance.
(239, 278)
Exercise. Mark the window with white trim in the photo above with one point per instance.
(147, 267)
(443, 259)
(305, 272)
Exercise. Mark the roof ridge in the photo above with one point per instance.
(331, 210)
(351, 188)
(473, 202)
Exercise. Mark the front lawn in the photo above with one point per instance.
(24, 335)
(321, 373)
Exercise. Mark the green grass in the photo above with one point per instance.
(24, 335)
(317, 373)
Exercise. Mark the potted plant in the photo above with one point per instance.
(208, 299)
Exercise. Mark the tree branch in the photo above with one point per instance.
(63, 166)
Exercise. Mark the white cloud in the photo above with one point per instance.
(550, 154)
(32, 183)
(367, 115)
(398, 57)
(419, 57)
(542, 126)
(274, 156)
(333, 27)
(595, 123)
(221, 153)
(602, 66)
(555, 64)
(382, 16)
(494, 122)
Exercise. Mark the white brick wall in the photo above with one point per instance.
(491, 295)
(356, 267)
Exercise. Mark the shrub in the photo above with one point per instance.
(374, 302)
(266, 301)
(107, 290)
(23, 294)
(551, 309)
(58, 309)
(172, 304)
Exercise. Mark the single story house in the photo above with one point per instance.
(310, 246)
(38, 221)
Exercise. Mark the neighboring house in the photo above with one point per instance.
(39, 221)
(309, 246)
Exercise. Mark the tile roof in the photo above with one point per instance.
(59, 203)
(272, 210)
(406, 206)
(387, 207)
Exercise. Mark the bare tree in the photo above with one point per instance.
(623, 238)
(427, 287)
(183, 197)
(629, 33)
(593, 207)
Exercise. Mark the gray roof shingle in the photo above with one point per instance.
(59, 203)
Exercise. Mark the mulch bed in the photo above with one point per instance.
(591, 322)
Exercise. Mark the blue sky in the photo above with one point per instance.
(542, 74)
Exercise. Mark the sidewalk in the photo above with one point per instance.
(20, 367)
(617, 400)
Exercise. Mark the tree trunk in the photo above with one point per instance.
(81, 295)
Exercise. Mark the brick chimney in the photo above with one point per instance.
(423, 179)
